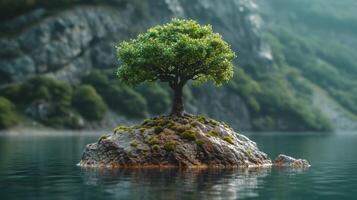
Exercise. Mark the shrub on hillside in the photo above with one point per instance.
(7, 114)
(88, 103)
(119, 97)
(157, 97)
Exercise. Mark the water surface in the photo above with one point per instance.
(44, 167)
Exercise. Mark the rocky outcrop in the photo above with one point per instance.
(64, 45)
(287, 161)
(184, 142)
(67, 44)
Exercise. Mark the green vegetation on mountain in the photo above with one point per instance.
(89, 104)
(312, 44)
(317, 39)
(8, 116)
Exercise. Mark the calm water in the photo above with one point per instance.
(44, 167)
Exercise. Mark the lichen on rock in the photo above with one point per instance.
(168, 141)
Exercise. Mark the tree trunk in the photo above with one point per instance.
(177, 107)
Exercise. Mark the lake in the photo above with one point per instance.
(44, 167)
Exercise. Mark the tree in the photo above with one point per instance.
(176, 52)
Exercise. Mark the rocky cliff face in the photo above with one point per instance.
(67, 44)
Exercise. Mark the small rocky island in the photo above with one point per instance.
(168, 141)
(176, 53)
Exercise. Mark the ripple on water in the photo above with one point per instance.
(45, 168)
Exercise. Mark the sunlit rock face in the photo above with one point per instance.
(68, 44)
(184, 142)
(287, 161)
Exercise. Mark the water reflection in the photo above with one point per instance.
(177, 184)
(44, 167)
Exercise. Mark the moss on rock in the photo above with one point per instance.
(170, 146)
(189, 135)
(174, 141)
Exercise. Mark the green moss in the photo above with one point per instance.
(170, 146)
(144, 149)
(200, 142)
(189, 135)
(170, 124)
(158, 129)
(103, 137)
(134, 143)
(161, 121)
(227, 126)
(120, 129)
(228, 139)
(214, 122)
(178, 128)
(156, 147)
(213, 133)
(135, 127)
(152, 140)
(194, 123)
(202, 119)
(142, 129)
(146, 121)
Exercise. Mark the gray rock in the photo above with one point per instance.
(68, 44)
(9, 48)
(287, 161)
(165, 142)
(18, 68)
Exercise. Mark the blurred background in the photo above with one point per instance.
(295, 70)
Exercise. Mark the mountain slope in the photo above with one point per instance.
(75, 45)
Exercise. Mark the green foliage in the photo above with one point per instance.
(119, 97)
(324, 59)
(156, 96)
(58, 94)
(264, 123)
(55, 95)
(89, 104)
(246, 87)
(47, 89)
(181, 49)
(13, 93)
(8, 117)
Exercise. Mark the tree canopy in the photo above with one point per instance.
(176, 52)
